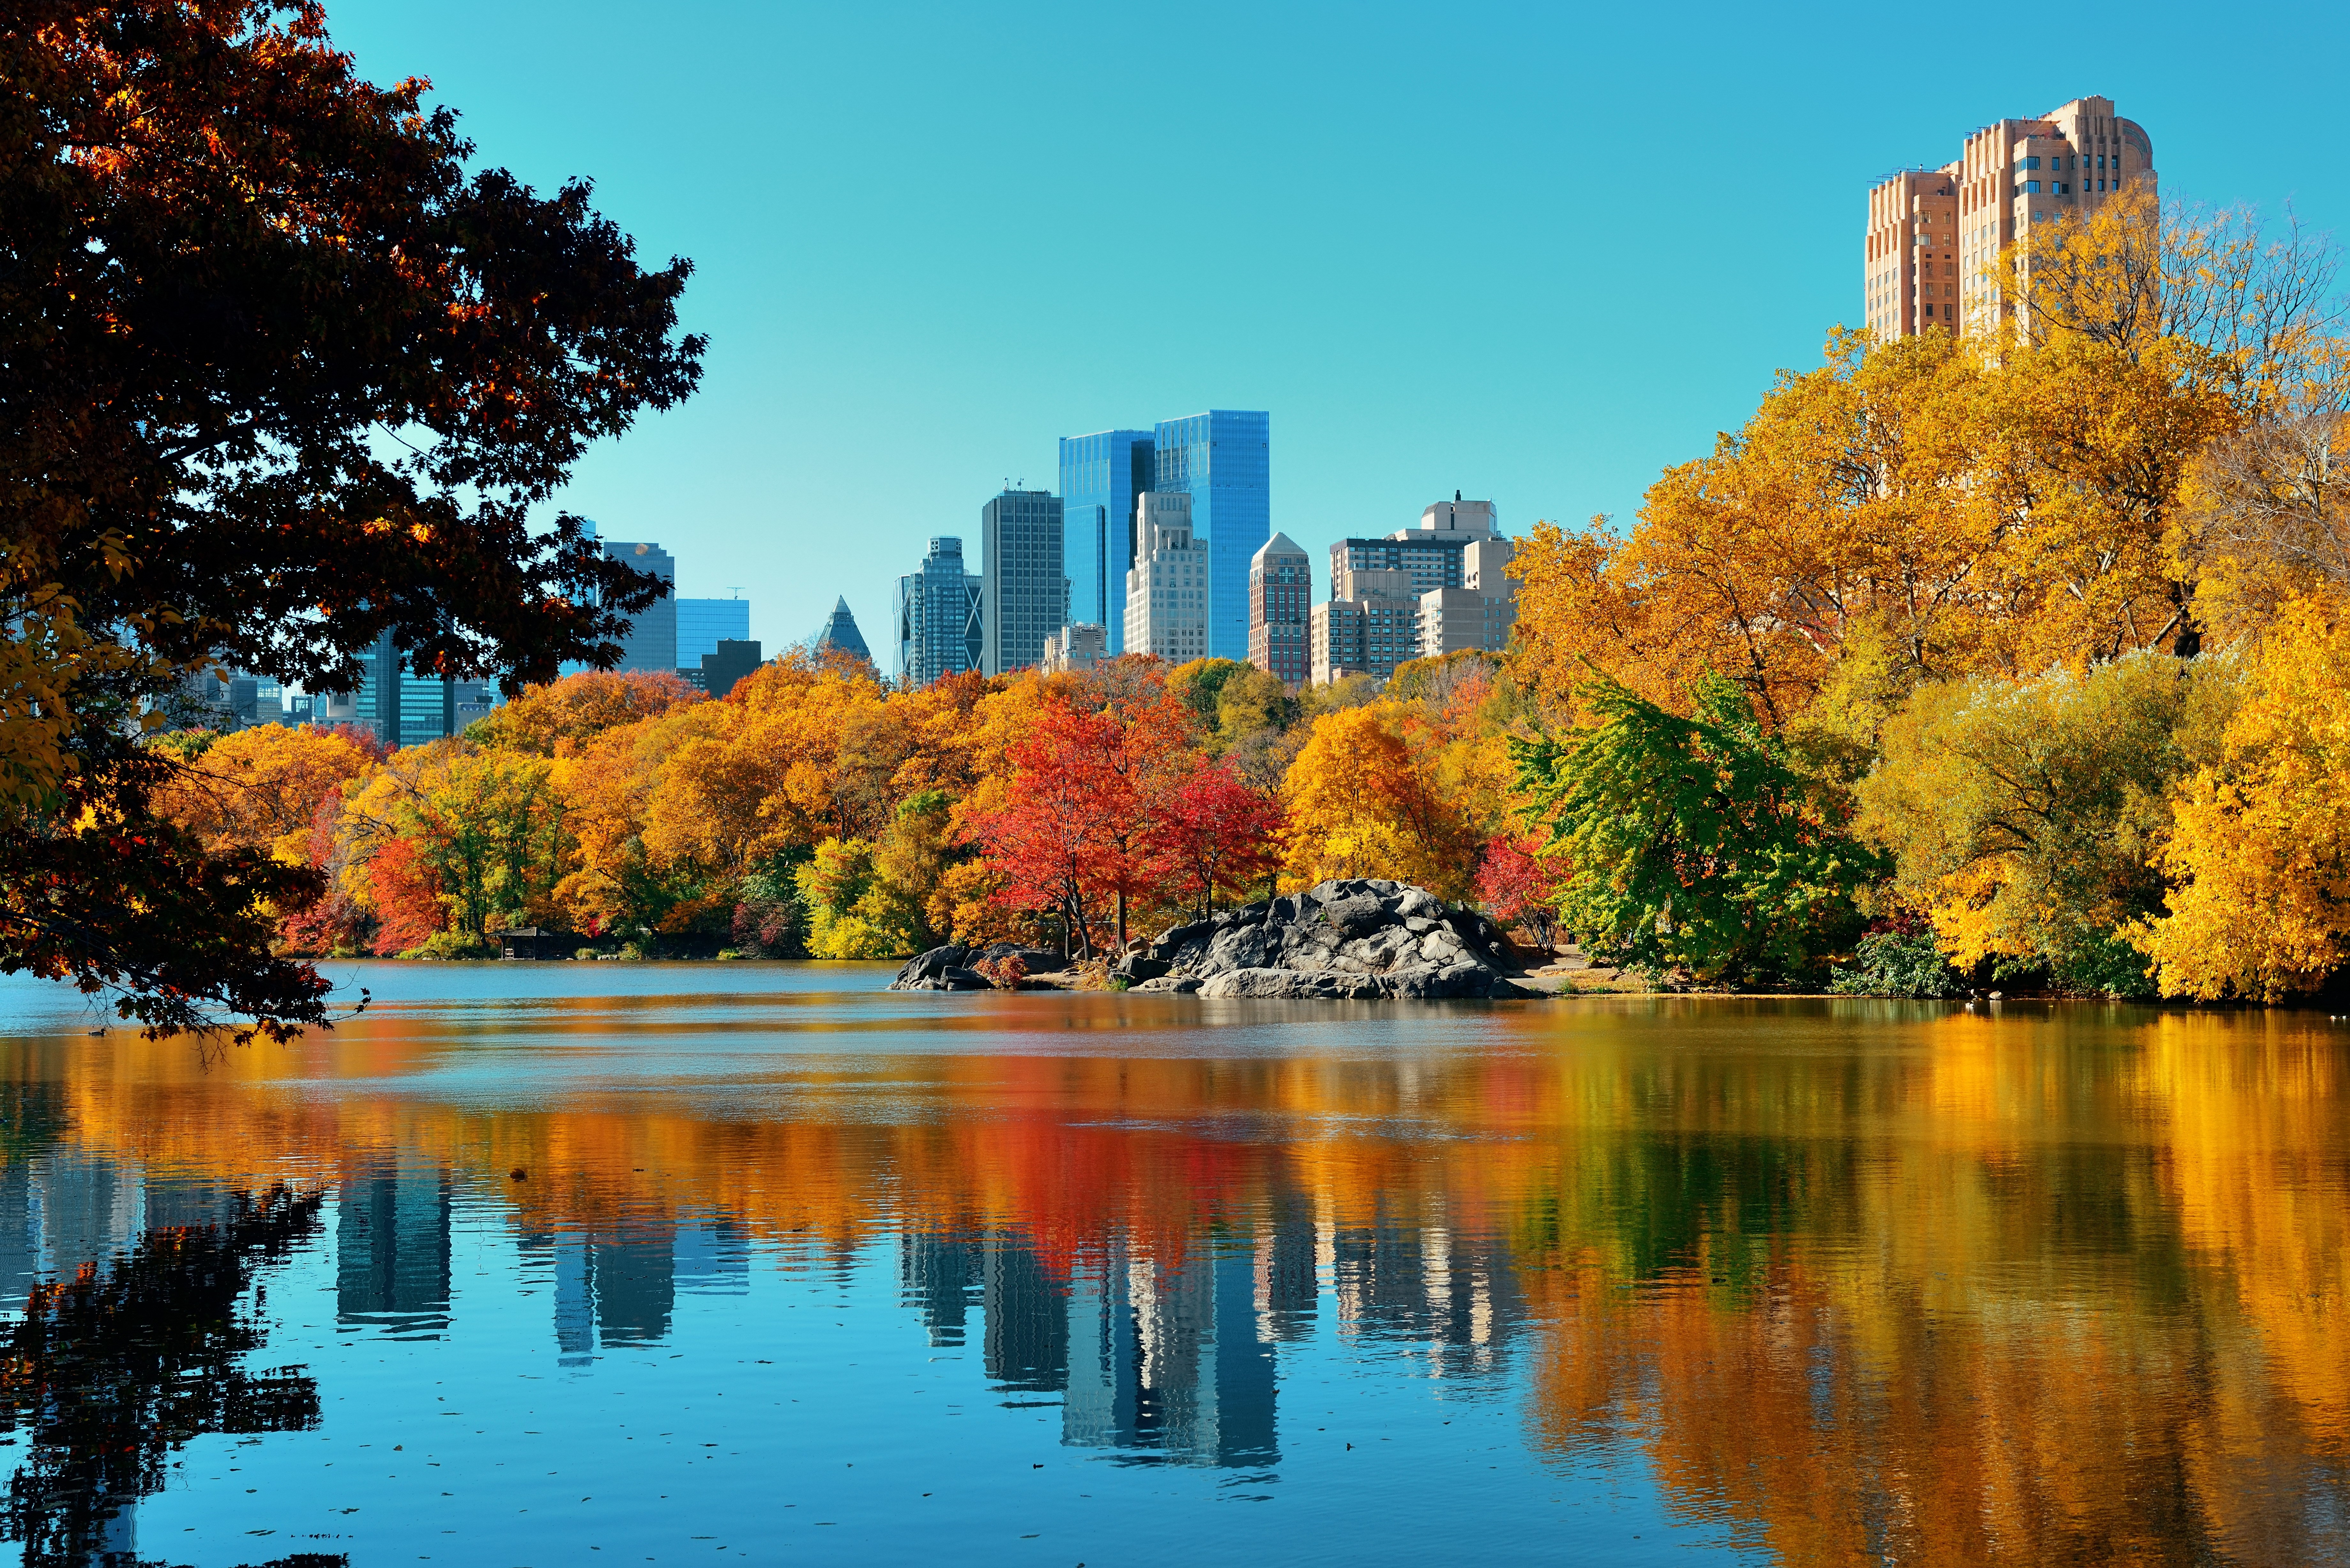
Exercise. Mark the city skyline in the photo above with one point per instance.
(1482, 300)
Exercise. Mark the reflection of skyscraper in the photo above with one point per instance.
(1172, 1358)
(1027, 1324)
(621, 1288)
(1458, 1296)
(713, 1256)
(635, 1285)
(85, 1208)
(391, 1248)
(936, 1275)
(20, 1244)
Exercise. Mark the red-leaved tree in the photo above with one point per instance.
(407, 897)
(1080, 828)
(1521, 884)
(1215, 834)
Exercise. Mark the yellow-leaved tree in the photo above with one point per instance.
(2260, 854)
(1364, 800)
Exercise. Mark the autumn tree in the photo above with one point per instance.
(1363, 800)
(261, 786)
(2026, 818)
(234, 266)
(1079, 828)
(2258, 854)
(1215, 836)
(561, 716)
(1523, 884)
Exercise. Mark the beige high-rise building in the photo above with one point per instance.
(1932, 232)
(1167, 586)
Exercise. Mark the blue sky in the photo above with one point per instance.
(1532, 254)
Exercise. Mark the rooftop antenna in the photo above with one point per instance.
(735, 589)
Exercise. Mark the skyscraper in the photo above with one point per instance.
(1281, 594)
(702, 623)
(651, 642)
(1477, 614)
(1167, 587)
(1932, 232)
(938, 617)
(402, 708)
(840, 631)
(1100, 476)
(1221, 459)
(1023, 592)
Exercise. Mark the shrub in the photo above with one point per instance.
(1898, 962)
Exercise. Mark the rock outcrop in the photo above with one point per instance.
(949, 968)
(941, 969)
(1351, 940)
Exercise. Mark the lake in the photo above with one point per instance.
(761, 1263)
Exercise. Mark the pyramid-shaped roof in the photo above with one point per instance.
(840, 631)
(1279, 545)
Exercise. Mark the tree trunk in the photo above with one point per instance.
(1120, 896)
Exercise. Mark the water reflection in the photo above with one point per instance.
(1858, 1283)
(109, 1372)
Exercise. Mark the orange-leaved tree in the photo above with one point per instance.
(1363, 800)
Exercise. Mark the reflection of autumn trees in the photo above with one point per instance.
(2051, 1287)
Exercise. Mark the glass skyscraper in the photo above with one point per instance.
(938, 620)
(651, 642)
(1100, 476)
(703, 624)
(1222, 459)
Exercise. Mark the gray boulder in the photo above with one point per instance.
(1354, 938)
(1137, 968)
(1291, 984)
(1170, 985)
(922, 973)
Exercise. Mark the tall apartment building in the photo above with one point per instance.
(1417, 593)
(1100, 476)
(1222, 459)
(938, 623)
(1023, 592)
(703, 624)
(651, 641)
(1933, 232)
(1169, 587)
(1476, 614)
(1280, 595)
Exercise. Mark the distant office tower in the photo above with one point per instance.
(1221, 459)
(721, 670)
(938, 617)
(701, 623)
(651, 642)
(1076, 648)
(1100, 476)
(1409, 595)
(1023, 593)
(1280, 595)
(1476, 616)
(839, 631)
(400, 707)
(1168, 592)
(1171, 1356)
(1932, 232)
